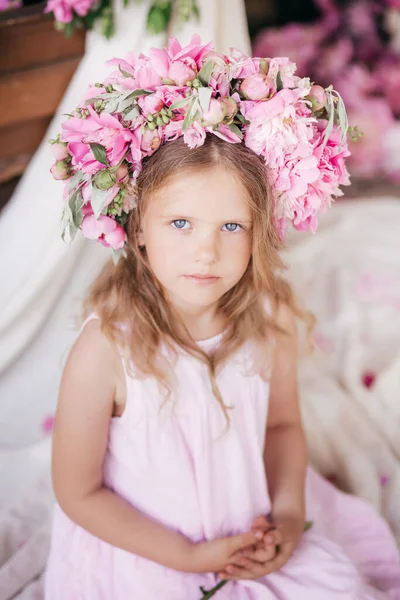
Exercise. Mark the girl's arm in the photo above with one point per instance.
(285, 454)
(88, 389)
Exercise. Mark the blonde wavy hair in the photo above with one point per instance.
(129, 293)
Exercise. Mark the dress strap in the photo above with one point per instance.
(86, 321)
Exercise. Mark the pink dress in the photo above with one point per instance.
(179, 467)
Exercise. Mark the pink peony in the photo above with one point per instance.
(105, 230)
(189, 56)
(151, 141)
(63, 9)
(122, 173)
(195, 135)
(150, 104)
(59, 151)
(215, 114)
(374, 118)
(143, 75)
(102, 129)
(181, 73)
(256, 87)
(388, 76)
(317, 97)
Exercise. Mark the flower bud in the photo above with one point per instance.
(317, 97)
(98, 105)
(60, 170)
(230, 107)
(59, 151)
(256, 87)
(104, 180)
(215, 113)
(122, 173)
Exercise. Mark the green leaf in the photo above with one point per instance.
(71, 217)
(191, 114)
(204, 95)
(112, 106)
(180, 103)
(205, 73)
(235, 129)
(99, 152)
(137, 93)
(75, 204)
(75, 182)
(279, 83)
(159, 17)
(308, 525)
(132, 115)
(98, 200)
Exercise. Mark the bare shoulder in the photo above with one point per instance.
(93, 354)
(90, 377)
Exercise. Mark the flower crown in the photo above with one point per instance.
(300, 129)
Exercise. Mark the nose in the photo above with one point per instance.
(207, 247)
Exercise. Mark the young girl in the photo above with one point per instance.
(179, 459)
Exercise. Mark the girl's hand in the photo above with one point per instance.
(211, 557)
(279, 541)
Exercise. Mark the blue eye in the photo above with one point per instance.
(232, 227)
(179, 223)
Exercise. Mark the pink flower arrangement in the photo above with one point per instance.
(299, 129)
(69, 14)
(356, 47)
(64, 9)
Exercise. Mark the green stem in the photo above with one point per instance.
(209, 593)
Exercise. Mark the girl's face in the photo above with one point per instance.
(197, 231)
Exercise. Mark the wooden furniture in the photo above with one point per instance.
(36, 65)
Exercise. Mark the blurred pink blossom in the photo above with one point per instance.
(105, 230)
(63, 9)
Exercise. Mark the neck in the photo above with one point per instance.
(201, 322)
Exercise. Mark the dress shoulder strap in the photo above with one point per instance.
(90, 317)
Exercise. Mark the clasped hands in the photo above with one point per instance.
(259, 552)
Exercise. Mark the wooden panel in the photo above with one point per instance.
(34, 93)
(22, 138)
(13, 166)
(28, 38)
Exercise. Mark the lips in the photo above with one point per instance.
(201, 278)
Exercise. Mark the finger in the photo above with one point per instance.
(244, 540)
(249, 570)
(273, 538)
(260, 555)
(280, 559)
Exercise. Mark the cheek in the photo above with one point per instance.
(163, 250)
(237, 253)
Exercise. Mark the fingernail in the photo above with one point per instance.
(259, 535)
(269, 539)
